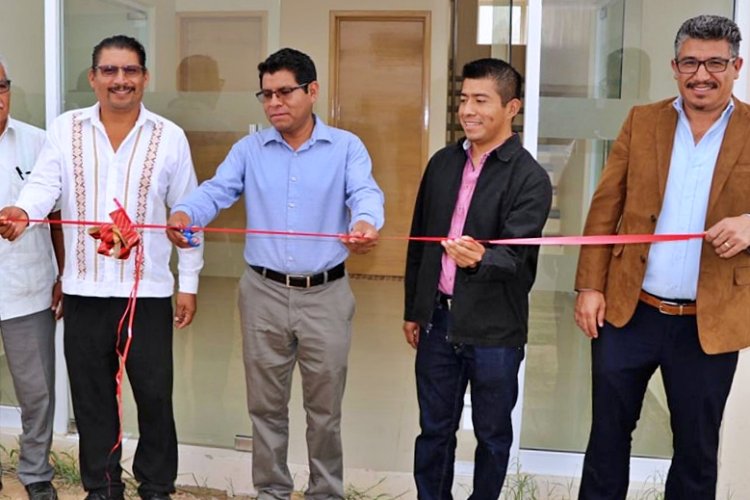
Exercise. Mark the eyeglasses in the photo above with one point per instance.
(266, 95)
(130, 71)
(690, 65)
(4, 86)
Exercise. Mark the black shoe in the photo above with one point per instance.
(102, 495)
(151, 495)
(42, 490)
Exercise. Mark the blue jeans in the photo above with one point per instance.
(443, 370)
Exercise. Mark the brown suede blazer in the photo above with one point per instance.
(628, 200)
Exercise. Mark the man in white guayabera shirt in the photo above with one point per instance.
(117, 149)
(28, 293)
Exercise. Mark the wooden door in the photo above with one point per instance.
(379, 90)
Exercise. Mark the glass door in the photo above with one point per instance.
(598, 59)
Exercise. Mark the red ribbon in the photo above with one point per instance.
(116, 241)
(615, 239)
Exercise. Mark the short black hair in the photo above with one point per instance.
(707, 27)
(507, 80)
(119, 42)
(296, 62)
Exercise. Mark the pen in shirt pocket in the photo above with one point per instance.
(20, 173)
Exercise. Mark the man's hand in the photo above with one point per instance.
(362, 238)
(730, 236)
(177, 222)
(465, 251)
(184, 309)
(411, 332)
(13, 222)
(57, 304)
(589, 312)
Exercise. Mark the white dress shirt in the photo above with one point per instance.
(27, 266)
(148, 173)
(672, 267)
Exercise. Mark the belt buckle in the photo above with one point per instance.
(305, 277)
(664, 303)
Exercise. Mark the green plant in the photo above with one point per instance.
(520, 486)
(353, 493)
(66, 467)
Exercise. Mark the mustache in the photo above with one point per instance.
(117, 88)
(709, 83)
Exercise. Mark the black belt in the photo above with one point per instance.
(302, 280)
(445, 300)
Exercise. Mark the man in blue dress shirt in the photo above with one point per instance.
(295, 301)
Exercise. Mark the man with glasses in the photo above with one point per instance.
(29, 293)
(117, 149)
(296, 305)
(678, 166)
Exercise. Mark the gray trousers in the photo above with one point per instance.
(29, 343)
(282, 326)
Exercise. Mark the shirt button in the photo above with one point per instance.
(290, 258)
(293, 179)
(291, 205)
(643, 258)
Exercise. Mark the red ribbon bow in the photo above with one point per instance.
(118, 238)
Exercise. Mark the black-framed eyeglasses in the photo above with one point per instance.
(109, 70)
(265, 95)
(4, 86)
(691, 65)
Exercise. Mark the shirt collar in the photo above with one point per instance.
(504, 150)
(9, 126)
(678, 105)
(320, 132)
(92, 113)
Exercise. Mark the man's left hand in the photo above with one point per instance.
(730, 236)
(362, 238)
(465, 251)
(185, 309)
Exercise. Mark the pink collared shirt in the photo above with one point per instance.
(465, 193)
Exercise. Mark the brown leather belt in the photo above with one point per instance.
(668, 307)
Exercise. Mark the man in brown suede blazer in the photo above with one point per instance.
(678, 166)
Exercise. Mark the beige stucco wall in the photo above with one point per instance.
(309, 30)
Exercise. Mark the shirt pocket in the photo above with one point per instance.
(17, 182)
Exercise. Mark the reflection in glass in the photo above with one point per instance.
(598, 60)
(22, 47)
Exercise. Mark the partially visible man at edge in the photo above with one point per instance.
(466, 302)
(296, 304)
(117, 149)
(29, 303)
(681, 165)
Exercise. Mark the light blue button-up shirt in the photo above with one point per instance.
(323, 187)
(672, 267)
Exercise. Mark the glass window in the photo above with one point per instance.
(598, 60)
(202, 57)
(22, 47)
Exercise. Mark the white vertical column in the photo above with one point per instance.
(530, 139)
(533, 77)
(742, 18)
(53, 107)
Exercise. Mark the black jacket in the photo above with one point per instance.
(512, 199)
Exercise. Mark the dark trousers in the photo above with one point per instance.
(697, 386)
(90, 335)
(443, 370)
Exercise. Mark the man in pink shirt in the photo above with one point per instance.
(466, 301)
